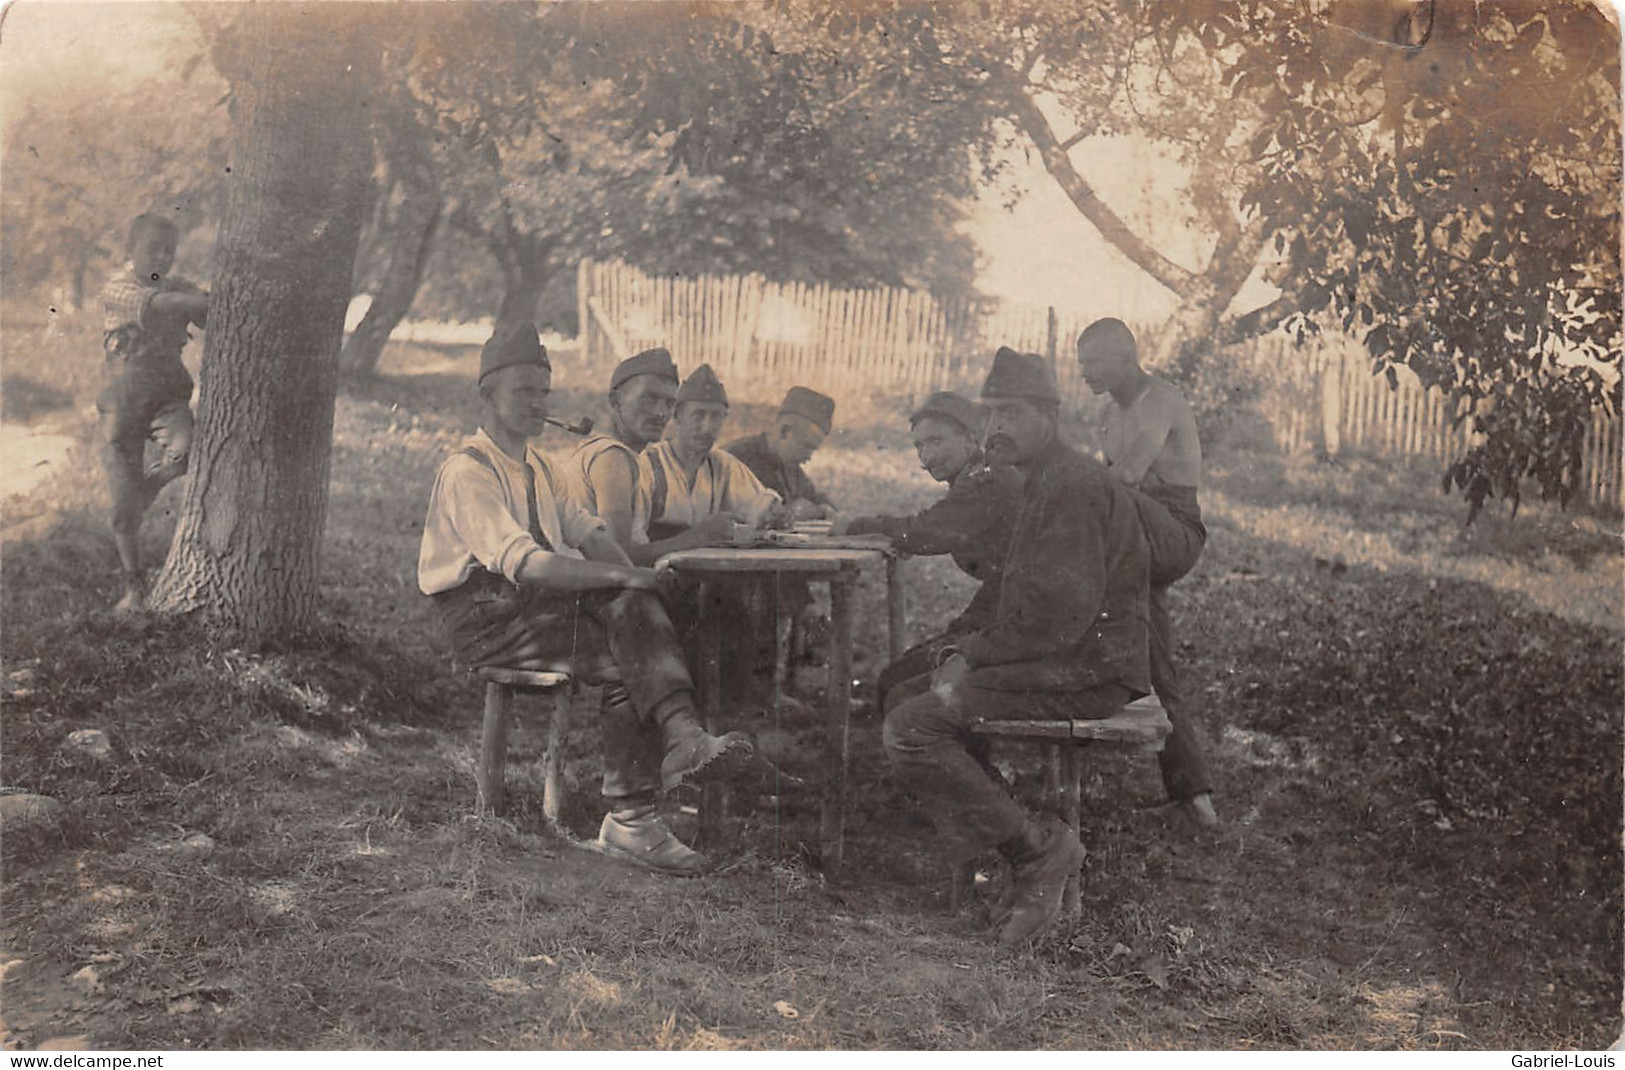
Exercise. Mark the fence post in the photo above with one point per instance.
(1051, 336)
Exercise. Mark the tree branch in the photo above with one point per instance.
(1111, 226)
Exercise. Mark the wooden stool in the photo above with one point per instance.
(500, 685)
(1142, 723)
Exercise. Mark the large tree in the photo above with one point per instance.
(245, 550)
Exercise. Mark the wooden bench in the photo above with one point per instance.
(500, 686)
(1142, 723)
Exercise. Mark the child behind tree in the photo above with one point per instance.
(147, 316)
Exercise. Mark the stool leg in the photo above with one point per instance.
(493, 749)
(1072, 803)
(559, 705)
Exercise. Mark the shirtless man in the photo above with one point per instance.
(1150, 444)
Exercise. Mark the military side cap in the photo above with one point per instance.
(649, 362)
(512, 343)
(947, 405)
(811, 405)
(702, 384)
(1020, 375)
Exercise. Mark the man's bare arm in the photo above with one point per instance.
(614, 479)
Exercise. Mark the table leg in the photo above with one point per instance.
(710, 695)
(894, 607)
(832, 821)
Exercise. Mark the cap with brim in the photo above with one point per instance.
(1020, 375)
(649, 362)
(510, 344)
(702, 384)
(810, 405)
(947, 405)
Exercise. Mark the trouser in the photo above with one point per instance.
(934, 752)
(621, 640)
(132, 482)
(1173, 528)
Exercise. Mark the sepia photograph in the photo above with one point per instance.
(811, 525)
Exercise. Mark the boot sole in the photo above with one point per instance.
(725, 764)
(609, 850)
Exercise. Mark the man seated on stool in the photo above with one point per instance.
(524, 580)
(1067, 640)
(690, 486)
(1150, 444)
(971, 521)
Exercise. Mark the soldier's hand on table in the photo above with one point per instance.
(778, 517)
(715, 530)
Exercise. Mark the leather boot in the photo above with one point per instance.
(1039, 880)
(694, 755)
(638, 835)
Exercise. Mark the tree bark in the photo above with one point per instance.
(524, 261)
(414, 230)
(246, 549)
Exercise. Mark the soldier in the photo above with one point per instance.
(523, 579)
(1067, 639)
(803, 422)
(971, 521)
(1151, 446)
(603, 476)
(688, 481)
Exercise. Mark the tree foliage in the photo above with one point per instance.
(1439, 179)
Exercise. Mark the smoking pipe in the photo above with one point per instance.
(583, 427)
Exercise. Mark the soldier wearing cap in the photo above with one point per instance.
(602, 476)
(1067, 639)
(804, 420)
(692, 486)
(1150, 444)
(971, 521)
(522, 578)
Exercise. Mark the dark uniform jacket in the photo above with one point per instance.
(1072, 611)
(788, 481)
(971, 522)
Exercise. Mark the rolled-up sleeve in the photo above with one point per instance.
(744, 494)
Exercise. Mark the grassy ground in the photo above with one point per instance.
(1416, 732)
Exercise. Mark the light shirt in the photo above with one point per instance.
(722, 484)
(478, 516)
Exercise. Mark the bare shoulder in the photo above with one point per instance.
(1167, 398)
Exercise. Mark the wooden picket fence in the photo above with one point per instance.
(858, 345)
(853, 344)
(1328, 398)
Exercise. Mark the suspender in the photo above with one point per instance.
(535, 519)
(658, 490)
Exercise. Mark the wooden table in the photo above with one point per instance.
(838, 567)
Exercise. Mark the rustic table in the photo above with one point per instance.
(838, 566)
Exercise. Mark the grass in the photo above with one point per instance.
(1416, 732)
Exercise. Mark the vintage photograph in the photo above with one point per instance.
(811, 525)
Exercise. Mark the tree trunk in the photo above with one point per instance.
(246, 548)
(413, 230)
(524, 277)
